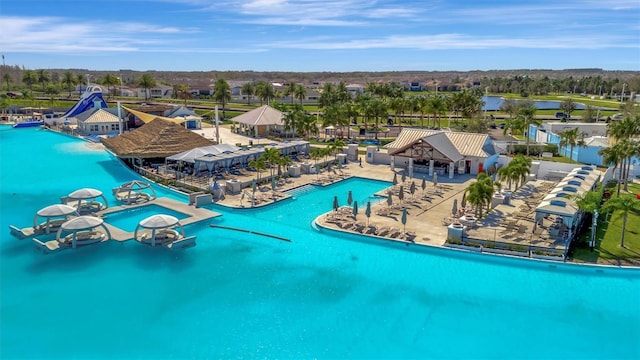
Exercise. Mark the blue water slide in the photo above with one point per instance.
(87, 101)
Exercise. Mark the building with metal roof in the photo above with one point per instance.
(259, 121)
(98, 121)
(444, 152)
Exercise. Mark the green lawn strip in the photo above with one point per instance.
(608, 250)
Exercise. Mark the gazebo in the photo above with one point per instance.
(55, 216)
(260, 121)
(134, 192)
(161, 230)
(82, 231)
(85, 200)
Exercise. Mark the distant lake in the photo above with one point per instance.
(493, 103)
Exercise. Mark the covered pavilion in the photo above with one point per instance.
(260, 121)
(444, 152)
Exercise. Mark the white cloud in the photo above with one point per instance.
(59, 35)
(457, 42)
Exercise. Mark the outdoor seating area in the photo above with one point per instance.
(514, 225)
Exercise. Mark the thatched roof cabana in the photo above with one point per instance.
(156, 139)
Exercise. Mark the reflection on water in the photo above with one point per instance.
(493, 103)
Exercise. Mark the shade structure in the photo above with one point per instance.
(349, 198)
(355, 208)
(401, 193)
(335, 203)
(158, 222)
(389, 198)
(84, 194)
(87, 195)
(56, 210)
(53, 211)
(395, 179)
(367, 211)
(404, 176)
(82, 223)
(79, 224)
(424, 184)
(404, 219)
(454, 208)
(412, 188)
(134, 191)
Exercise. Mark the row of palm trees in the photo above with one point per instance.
(480, 192)
(271, 159)
(624, 133)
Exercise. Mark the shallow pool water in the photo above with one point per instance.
(128, 219)
(322, 295)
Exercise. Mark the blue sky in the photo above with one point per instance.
(314, 35)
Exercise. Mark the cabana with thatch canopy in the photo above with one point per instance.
(155, 140)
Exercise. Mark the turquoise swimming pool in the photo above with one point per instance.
(323, 295)
(128, 219)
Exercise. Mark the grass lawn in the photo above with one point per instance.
(608, 250)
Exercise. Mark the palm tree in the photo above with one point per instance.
(290, 90)
(43, 78)
(109, 81)
(6, 77)
(147, 82)
(527, 115)
(625, 204)
(182, 91)
(336, 147)
(300, 92)
(423, 105)
(81, 79)
(69, 79)
(29, 77)
(438, 108)
(622, 131)
(476, 195)
(378, 110)
(248, 89)
(316, 154)
(259, 165)
(264, 91)
(271, 157)
(222, 94)
(570, 138)
(52, 90)
(516, 171)
(307, 125)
